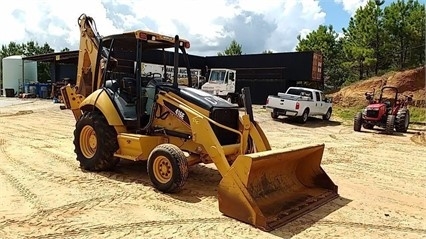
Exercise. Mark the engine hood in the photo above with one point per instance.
(375, 106)
(204, 99)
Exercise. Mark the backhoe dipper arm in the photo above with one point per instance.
(86, 82)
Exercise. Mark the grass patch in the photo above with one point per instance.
(417, 115)
(346, 113)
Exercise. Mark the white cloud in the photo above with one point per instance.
(351, 6)
(209, 25)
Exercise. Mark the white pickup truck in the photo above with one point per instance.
(299, 102)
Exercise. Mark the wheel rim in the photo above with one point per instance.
(305, 116)
(328, 114)
(163, 169)
(88, 141)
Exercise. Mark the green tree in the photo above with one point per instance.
(360, 44)
(404, 24)
(267, 52)
(233, 49)
(65, 49)
(325, 40)
(30, 48)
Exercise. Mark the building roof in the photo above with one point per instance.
(59, 57)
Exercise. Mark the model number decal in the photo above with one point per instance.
(179, 113)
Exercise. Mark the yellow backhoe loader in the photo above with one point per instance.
(121, 114)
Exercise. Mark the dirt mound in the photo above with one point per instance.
(419, 138)
(408, 82)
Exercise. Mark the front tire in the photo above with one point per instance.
(358, 122)
(95, 142)
(167, 168)
(390, 124)
(229, 99)
(327, 115)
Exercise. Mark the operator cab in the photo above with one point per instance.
(132, 92)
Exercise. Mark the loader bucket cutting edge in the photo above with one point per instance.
(271, 188)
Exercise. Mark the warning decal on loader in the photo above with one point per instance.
(180, 114)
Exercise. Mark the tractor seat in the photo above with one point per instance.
(112, 84)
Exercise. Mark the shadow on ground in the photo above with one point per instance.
(312, 122)
(306, 221)
(202, 181)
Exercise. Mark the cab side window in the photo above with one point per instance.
(317, 96)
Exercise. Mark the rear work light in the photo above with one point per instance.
(297, 105)
(143, 36)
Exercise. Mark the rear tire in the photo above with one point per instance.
(358, 122)
(402, 121)
(167, 168)
(327, 115)
(304, 118)
(95, 142)
(390, 124)
(274, 114)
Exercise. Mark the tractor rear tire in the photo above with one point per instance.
(358, 122)
(402, 121)
(167, 168)
(390, 124)
(95, 142)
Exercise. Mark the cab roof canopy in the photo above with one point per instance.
(127, 41)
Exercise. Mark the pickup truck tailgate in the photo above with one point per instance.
(286, 106)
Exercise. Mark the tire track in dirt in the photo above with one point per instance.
(129, 180)
(91, 185)
(372, 226)
(133, 226)
(24, 191)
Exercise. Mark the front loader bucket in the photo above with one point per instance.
(268, 189)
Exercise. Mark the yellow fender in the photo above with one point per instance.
(102, 101)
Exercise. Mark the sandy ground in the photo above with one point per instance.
(44, 194)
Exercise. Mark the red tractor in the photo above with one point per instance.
(387, 113)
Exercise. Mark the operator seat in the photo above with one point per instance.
(128, 89)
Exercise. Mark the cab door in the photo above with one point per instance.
(230, 81)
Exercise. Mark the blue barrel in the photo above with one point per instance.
(43, 90)
(27, 88)
(32, 88)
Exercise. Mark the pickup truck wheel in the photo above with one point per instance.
(327, 115)
(274, 115)
(304, 116)
(229, 99)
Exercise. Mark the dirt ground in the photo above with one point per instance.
(44, 194)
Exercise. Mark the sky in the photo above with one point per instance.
(210, 26)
